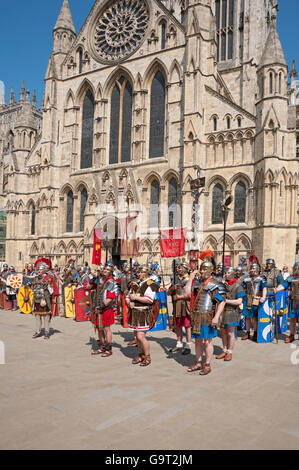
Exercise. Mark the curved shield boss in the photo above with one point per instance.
(25, 299)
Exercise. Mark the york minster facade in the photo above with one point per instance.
(145, 98)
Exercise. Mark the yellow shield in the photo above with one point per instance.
(25, 299)
(69, 294)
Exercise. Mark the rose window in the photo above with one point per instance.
(120, 29)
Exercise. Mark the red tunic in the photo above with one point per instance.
(108, 314)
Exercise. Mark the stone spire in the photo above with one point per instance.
(293, 72)
(273, 52)
(34, 98)
(65, 20)
(2, 95)
(12, 96)
(22, 92)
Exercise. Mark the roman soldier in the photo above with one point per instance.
(102, 315)
(3, 277)
(292, 284)
(140, 300)
(42, 288)
(207, 305)
(11, 292)
(181, 309)
(29, 274)
(82, 278)
(230, 317)
(218, 273)
(272, 275)
(255, 288)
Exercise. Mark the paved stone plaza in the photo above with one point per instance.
(55, 395)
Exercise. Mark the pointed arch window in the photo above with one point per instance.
(33, 219)
(157, 116)
(271, 83)
(225, 11)
(121, 121)
(173, 203)
(217, 200)
(80, 60)
(69, 211)
(240, 203)
(83, 203)
(87, 131)
(163, 35)
(154, 204)
(215, 124)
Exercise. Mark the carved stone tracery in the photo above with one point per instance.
(120, 29)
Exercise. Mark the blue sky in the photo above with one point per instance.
(26, 38)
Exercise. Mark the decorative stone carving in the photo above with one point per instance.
(120, 29)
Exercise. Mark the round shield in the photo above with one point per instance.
(25, 299)
(15, 281)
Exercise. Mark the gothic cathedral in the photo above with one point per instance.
(146, 97)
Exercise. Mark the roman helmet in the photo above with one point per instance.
(219, 268)
(238, 272)
(270, 263)
(12, 269)
(184, 265)
(43, 264)
(144, 270)
(208, 265)
(109, 267)
(229, 273)
(255, 269)
(296, 269)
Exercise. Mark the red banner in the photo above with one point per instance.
(173, 242)
(97, 246)
(227, 260)
(129, 241)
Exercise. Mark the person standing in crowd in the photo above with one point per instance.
(292, 284)
(140, 300)
(255, 288)
(181, 309)
(103, 309)
(11, 292)
(207, 305)
(230, 317)
(42, 287)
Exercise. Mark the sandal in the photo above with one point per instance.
(106, 354)
(101, 350)
(206, 370)
(138, 359)
(196, 366)
(146, 361)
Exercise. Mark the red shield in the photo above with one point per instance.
(83, 304)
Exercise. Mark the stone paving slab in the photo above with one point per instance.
(55, 395)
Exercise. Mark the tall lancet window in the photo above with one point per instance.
(83, 203)
(173, 203)
(217, 200)
(33, 219)
(225, 29)
(121, 121)
(69, 211)
(154, 204)
(87, 131)
(240, 203)
(157, 116)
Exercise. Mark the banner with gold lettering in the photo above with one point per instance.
(173, 242)
(97, 246)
